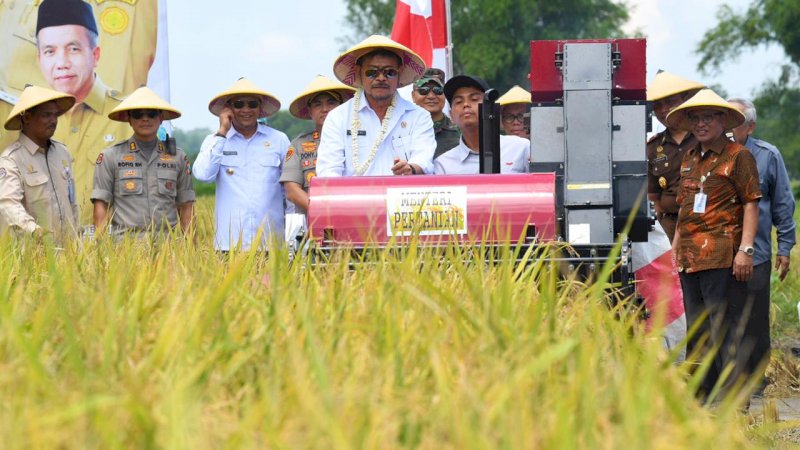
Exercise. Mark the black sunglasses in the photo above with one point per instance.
(388, 72)
(510, 118)
(139, 113)
(239, 104)
(437, 90)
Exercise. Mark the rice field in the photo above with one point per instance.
(171, 345)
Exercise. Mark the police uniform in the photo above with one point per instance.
(37, 189)
(142, 192)
(300, 164)
(664, 157)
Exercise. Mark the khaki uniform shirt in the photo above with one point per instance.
(85, 130)
(300, 164)
(143, 193)
(37, 189)
(728, 176)
(664, 157)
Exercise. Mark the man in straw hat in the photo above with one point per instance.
(147, 184)
(428, 93)
(377, 132)
(245, 159)
(37, 188)
(465, 93)
(665, 150)
(515, 107)
(318, 99)
(713, 245)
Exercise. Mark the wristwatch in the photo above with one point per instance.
(748, 250)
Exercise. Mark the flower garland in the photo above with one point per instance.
(356, 125)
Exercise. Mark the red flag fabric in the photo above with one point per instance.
(421, 25)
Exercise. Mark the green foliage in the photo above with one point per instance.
(190, 140)
(778, 107)
(284, 121)
(491, 38)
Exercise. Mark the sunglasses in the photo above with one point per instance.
(239, 104)
(388, 72)
(437, 90)
(510, 118)
(705, 118)
(139, 113)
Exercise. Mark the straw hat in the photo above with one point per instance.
(34, 96)
(514, 95)
(269, 103)
(706, 98)
(143, 98)
(666, 84)
(320, 84)
(345, 65)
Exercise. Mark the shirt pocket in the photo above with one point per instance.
(167, 182)
(401, 147)
(35, 187)
(271, 162)
(130, 182)
(231, 158)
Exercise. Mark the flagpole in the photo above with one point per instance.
(449, 40)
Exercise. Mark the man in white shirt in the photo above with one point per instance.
(245, 159)
(465, 93)
(377, 132)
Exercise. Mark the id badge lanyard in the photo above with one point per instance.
(701, 197)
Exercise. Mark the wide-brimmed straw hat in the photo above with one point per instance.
(269, 103)
(346, 70)
(514, 95)
(319, 85)
(143, 98)
(666, 84)
(706, 98)
(33, 96)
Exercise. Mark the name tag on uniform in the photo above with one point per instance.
(228, 153)
(360, 132)
(700, 203)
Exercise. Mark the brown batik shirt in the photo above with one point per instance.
(728, 176)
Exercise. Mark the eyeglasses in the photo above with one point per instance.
(139, 113)
(510, 118)
(424, 90)
(705, 118)
(239, 104)
(388, 72)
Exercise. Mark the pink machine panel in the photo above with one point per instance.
(367, 211)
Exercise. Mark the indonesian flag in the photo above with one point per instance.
(421, 25)
(658, 283)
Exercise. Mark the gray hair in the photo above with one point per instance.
(749, 108)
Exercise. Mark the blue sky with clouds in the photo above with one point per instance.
(282, 45)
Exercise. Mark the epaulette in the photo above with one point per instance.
(115, 94)
(654, 137)
(12, 148)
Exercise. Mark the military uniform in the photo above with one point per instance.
(143, 192)
(37, 189)
(447, 135)
(664, 157)
(300, 165)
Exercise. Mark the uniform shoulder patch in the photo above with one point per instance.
(3, 172)
(11, 148)
(289, 153)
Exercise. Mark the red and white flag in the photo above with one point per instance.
(421, 25)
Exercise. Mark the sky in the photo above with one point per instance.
(282, 45)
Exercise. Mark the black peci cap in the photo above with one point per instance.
(459, 81)
(54, 13)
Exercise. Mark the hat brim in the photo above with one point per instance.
(345, 65)
(679, 118)
(123, 116)
(460, 81)
(269, 103)
(14, 122)
(299, 106)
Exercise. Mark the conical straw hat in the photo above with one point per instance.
(666, 84)
(706, 98)
(514, 95)
(34, 96)
(320, 84)
(143, 98)
(269, 103)
(345, 66)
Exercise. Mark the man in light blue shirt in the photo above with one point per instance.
(377, 132)
(245, 159)
(776, 209)
(465, 93)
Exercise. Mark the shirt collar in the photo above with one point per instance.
(463, 151)
(28, 143)
(719, 144)
(401, 102)
(260, 129)
(97, 96)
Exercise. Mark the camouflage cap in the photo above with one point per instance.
(432, 74)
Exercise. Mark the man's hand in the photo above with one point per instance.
(742, 266)
(402, 167)
(225, 120)
(782, 266)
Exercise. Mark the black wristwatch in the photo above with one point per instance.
(747, 250)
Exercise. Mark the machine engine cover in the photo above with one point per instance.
(373, 211)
